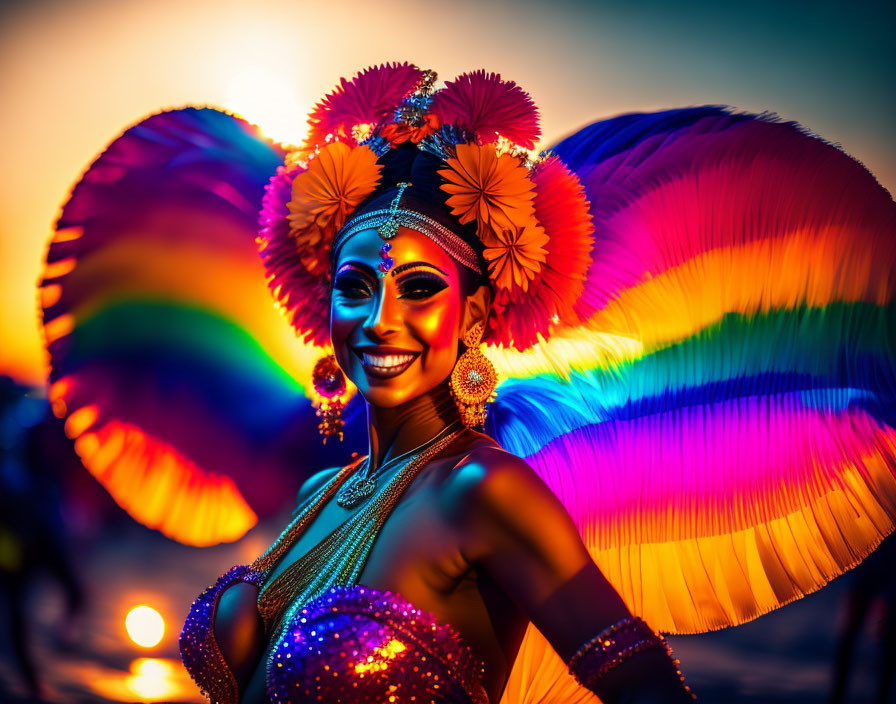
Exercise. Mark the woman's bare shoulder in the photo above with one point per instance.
(313, 483)
(489, 477)
(488, 466)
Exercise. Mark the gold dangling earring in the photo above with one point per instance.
(329, 383)
(473, 380)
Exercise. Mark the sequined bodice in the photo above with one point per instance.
(331, 642)
(351, 644)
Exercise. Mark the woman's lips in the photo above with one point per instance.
(385, 364)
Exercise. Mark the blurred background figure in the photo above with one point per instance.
(872, 590)
(35, 454)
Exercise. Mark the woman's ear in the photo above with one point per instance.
(476, 308)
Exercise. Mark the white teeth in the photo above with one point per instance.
(386, 361)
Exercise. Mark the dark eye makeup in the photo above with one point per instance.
(352, 284)
(420, 284)
(414, 283)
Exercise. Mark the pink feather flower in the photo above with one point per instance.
(368, 98)
(305, 298)
(487, 106)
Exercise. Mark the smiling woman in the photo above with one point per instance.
(459, 545)
(435, 512)
(690, 314)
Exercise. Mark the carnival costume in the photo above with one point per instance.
(692, 335)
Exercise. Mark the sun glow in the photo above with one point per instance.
(145, 626)
(146, 680)
(268, 100)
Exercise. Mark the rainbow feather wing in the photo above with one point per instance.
(735, 449)
(180, 381)
(721, 426)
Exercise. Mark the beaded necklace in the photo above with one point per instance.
(340, 557)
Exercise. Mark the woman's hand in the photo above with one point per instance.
(520, 533)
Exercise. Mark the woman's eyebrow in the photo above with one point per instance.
(410, 265)
(357, 266)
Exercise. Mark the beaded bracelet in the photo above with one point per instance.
(612, 646)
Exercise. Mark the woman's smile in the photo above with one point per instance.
(384, 362)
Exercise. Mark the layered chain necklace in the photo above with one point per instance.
(340, 557)
(362, 487)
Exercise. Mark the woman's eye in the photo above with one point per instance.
(352, 287)
(421, 286)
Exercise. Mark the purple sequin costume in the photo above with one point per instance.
(352, 644)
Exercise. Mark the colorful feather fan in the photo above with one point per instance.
(741, 452)
(182, 385)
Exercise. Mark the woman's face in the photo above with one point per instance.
(395, 335)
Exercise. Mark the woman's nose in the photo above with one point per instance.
(383, 320)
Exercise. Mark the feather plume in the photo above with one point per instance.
(487, 106)
(369, 98)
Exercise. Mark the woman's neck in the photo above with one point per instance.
(394, 431)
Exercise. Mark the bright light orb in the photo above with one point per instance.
(151, 679)
(145, 626)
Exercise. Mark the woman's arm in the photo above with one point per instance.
(521, 534)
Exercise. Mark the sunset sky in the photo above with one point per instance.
(75, 74)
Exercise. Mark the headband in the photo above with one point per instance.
(388, 220)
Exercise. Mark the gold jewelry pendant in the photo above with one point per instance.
(473, 380)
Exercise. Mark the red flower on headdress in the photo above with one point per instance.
(325, 194)
(398, 132)
(302, 296)
(495, 190)
(369, 97)
(487, 106)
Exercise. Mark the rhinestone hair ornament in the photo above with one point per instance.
(528, 210)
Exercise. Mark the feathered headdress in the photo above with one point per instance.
(530, 211)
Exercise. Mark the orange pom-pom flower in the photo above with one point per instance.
(324, 195)
(516, 255)
(495, 190)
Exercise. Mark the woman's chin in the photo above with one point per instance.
(388, 388)
(390, 392)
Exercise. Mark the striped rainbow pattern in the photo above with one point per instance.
(181, 383)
